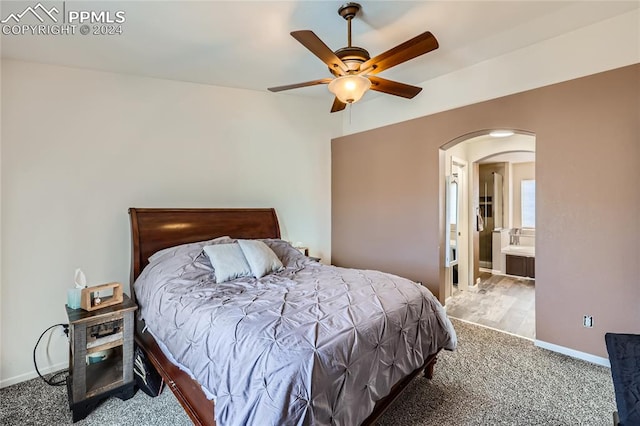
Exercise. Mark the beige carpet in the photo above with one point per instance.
(492, 379)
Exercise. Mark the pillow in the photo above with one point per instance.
(228, 261)
(160, 253)
(260, 257)
(289, 256)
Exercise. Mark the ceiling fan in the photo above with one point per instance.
(354, 70)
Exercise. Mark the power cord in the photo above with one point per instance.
(51, 381)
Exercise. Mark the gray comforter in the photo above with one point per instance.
(312, 344)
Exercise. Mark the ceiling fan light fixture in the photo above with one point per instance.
(354, 69)
(349, 88)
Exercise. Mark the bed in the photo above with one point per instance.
(154, 230)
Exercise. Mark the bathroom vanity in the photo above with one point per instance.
(520, 260)
(521, 266)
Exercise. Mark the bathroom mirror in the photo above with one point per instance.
(451, 222)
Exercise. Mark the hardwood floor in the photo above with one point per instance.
(503, 303)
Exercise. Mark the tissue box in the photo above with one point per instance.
(73, 298)
(89, 296)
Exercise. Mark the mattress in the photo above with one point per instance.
(310, 344)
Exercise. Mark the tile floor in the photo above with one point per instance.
(504, 303)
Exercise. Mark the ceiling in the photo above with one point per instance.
(246, 44)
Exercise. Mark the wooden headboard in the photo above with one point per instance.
(156, 229)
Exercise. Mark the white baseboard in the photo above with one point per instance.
(503, 274)
(551, 347)
(498, 272)
(491, 328)
(574, 353)
(32, 374)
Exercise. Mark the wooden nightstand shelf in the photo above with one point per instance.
(109, 328)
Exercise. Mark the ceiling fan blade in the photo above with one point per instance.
(338, 105)
(410, 49)
(312, 42)
(393, 87)
(295, 86)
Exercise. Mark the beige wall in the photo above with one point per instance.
(79, 147)
(387, 194)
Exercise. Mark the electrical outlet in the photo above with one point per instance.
(587, 321)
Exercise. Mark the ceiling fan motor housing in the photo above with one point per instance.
(352, 57)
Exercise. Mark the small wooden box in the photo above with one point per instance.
(87, 302)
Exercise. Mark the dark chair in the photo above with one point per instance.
(624, 356)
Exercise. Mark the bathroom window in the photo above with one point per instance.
(528, 201)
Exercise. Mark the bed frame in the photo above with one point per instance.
(155, 229)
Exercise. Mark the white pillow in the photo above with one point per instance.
(228, 261)
(260, 257)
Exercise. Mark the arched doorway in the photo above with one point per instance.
(490, 211)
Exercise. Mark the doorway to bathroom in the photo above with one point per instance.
(492, 280)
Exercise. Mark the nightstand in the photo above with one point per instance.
(104, 336)
(303, 250)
